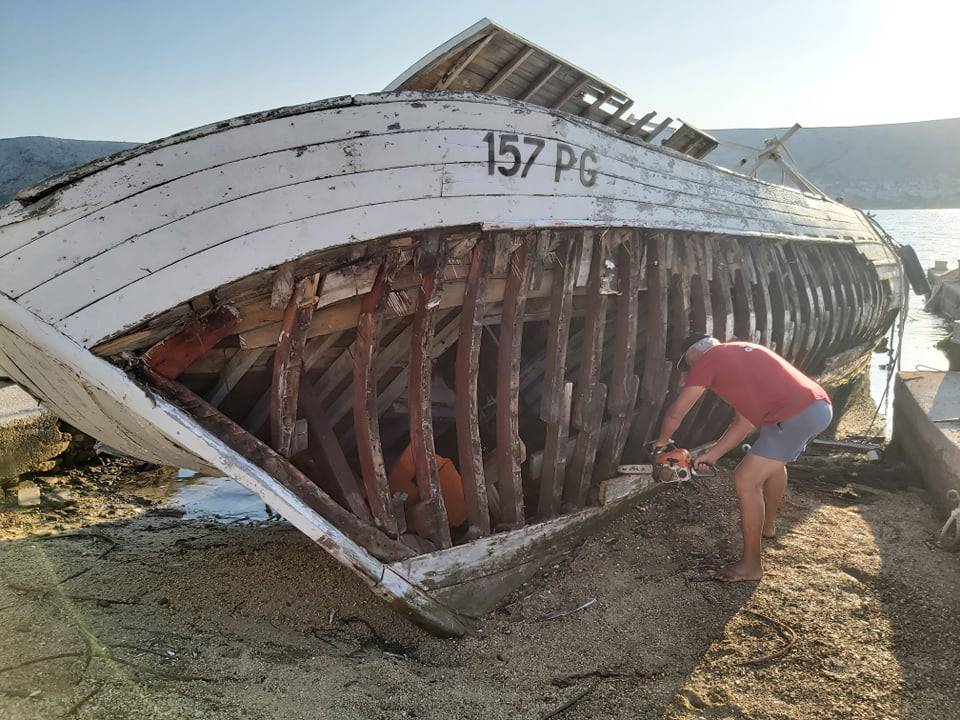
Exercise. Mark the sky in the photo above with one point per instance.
(137, 70)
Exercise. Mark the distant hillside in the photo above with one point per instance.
(25, 161)
(870, 166)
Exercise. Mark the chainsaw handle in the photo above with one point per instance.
(653, 449)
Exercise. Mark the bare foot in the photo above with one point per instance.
(739, 572)
(770, 532)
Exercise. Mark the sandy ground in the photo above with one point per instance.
(156, 616)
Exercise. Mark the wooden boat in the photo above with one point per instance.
(487, 269)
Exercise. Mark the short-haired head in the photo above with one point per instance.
(692, 347)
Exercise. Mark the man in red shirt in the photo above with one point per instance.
(768, 393)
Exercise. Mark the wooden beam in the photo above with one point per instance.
(624, 383)
(556, 398)
(585, 112)
(258, 453)
(466, 58)
(567, 96)
(469, 446)
(637, 127)
(509, 481)
(619, 113)
(328, 454)
(507, 70)
(664, 124)
(590, 395)
(172, 356)
(287, 364)
(231, 374)
(429, 261)
(541, 80)
(366, 417)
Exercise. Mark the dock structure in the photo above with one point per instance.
(926, 428)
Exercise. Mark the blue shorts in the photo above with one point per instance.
(784, 441)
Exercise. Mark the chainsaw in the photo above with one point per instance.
(674, 464)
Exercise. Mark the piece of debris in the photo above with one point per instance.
(28, 494)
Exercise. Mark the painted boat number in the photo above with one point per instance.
(511, 157)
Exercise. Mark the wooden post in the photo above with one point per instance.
(172, 356)
(288, 362)
(429, 262)
(624, 383)
(366, 417)
(279, 467)
(509, 481)
(588, 408)
(469, 446)
(555, 404)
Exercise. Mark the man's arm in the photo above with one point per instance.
(735, 433)
(678, 410)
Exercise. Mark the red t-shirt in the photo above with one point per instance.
(755, 381)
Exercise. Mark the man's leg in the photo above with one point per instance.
(773, 490)
(749, 477)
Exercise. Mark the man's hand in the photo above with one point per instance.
(661, 443)
(706, 460)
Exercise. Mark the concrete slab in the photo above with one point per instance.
(926, 427)
(29, 434)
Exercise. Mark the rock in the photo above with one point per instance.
(29, 435)
(28, 494)
(58, 498)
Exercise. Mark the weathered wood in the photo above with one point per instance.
(509, 481)
(430, 261)
(556, 396)
(468, 57)
(288, 363)
(589, 393)
(232, 373)
(655, 366)
(366, 416)
(328, 454)
(624, 383)
(469, 446)
(617, 488)
(540, 81)
(497, 80)
(172, 356)
(568, 94)
(279, 468)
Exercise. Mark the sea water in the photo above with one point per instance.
(935, 235)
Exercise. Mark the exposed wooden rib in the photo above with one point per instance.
(542, 80)
(619, 113)
(624, 383)
(761, 293)
(637, 127)
(742, 311)
(327, 453)
(509, 482)
(468, 57)
(430, 262)
(556, 396)
(589, 394)
(287, 364)
(172, 356)
(366, 417)
(664, 124)
(279, 468)
(507, 70)
(655, 367)
(576, 87)
(596, 103)
(232, 373)
(469, 446)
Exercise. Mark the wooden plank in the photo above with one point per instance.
(507, 70)
(624, 383)
(469, 447)
(589, 394)
(569, 93)
(509, 481)
(637, 127)
(466, 58)
(366, 416)
(231, 374)
(541, 80)
(172, 356)
(328, 454)
(431, 516)
(655, 367)
(663, 125)
(600, 100)
(556, 397)
(619, 113)
(288, 363)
